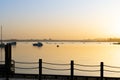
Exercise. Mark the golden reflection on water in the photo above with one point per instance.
(82, 53)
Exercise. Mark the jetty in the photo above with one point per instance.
(71, 76)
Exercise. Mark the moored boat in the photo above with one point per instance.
(13, 43)
(39, 44)
(2, 45)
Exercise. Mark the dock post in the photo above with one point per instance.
(72, 70)
(40, 69)
(8, 60)
(101, 70)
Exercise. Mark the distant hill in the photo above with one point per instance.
(82, 40)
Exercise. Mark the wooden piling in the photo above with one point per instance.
(101, 71)
(8, 60)
(40, 69)
(72, 70)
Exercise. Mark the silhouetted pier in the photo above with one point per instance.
(71, 68)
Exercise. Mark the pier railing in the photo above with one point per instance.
(71, 67)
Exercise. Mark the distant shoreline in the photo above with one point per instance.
(84, 40)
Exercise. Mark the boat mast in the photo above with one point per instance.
(1, 34)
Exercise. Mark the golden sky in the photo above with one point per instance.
(60, 19)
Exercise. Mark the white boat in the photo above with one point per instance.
(2, 45)
(39, 44)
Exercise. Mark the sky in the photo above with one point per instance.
(60, 19)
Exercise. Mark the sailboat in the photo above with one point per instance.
(2, 45)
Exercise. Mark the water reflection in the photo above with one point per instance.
(82, 53)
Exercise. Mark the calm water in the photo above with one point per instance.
(90, 53)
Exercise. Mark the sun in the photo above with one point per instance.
(113, 28)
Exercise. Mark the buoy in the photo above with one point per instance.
(57, 45)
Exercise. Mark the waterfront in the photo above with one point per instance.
(91, 53)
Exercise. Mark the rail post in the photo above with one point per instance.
(8, 60)
(101, 70)
(72, 70)
(40, 69)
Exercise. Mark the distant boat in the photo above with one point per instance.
(12, 43)
(2, 45)
(117, 43)
(39, 44)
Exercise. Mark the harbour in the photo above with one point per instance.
(26, 52)
(59, 40)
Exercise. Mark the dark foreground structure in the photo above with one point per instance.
(53, 77)
(7, 70)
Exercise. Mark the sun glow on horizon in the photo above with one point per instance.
(60, 19)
